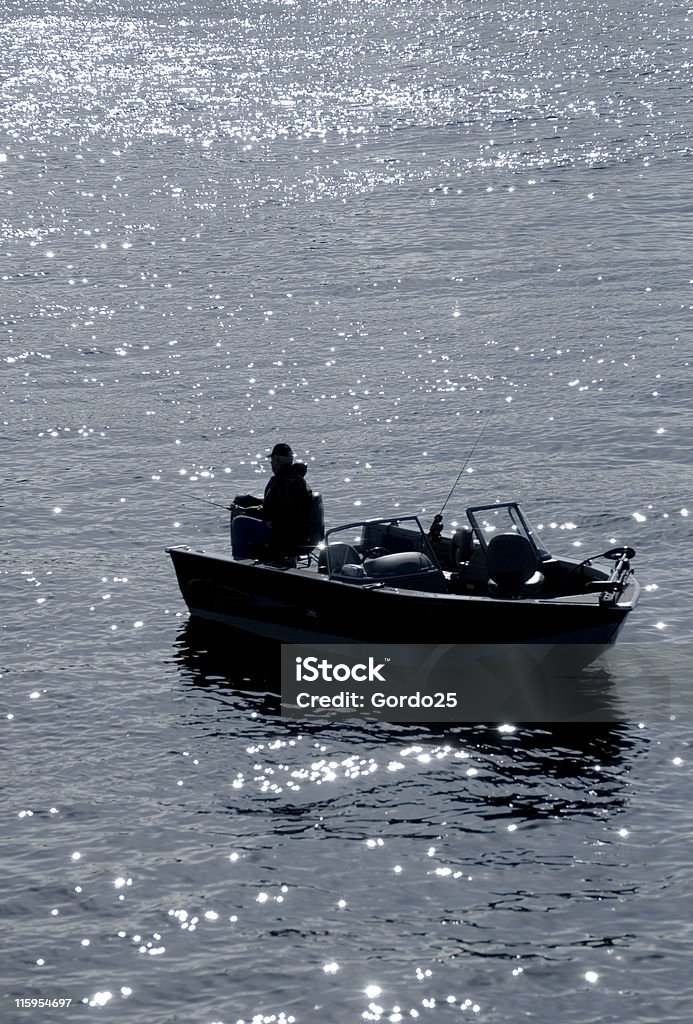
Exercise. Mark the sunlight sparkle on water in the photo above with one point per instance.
(99, 999)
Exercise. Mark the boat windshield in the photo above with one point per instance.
(508, 517)
(351, 547)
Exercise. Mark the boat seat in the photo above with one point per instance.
(314, 533)
(341, 556)
(462, 546)
(316, 520)
(315, 526)
(513, 567)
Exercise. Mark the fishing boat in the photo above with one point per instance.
(388, 580)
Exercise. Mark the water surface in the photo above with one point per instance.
(361, 228)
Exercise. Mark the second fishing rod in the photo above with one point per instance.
(436, 528)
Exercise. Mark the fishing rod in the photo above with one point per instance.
(436, 527)
(207, 501)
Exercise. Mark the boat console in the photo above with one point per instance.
(383, 552)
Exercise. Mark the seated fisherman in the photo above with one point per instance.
(274, 526)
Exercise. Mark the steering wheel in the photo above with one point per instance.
(374, 553)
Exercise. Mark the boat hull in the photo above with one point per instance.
(301, 606)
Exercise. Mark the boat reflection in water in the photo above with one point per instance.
(242, 681)
(493, 684)
(220, 659)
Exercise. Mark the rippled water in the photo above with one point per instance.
(361, 227)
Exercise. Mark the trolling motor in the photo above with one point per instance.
(609, 590)
(617, 554)
(620, 555)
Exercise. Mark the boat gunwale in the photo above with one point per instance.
(308, 572)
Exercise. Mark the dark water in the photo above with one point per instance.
(363, 228)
